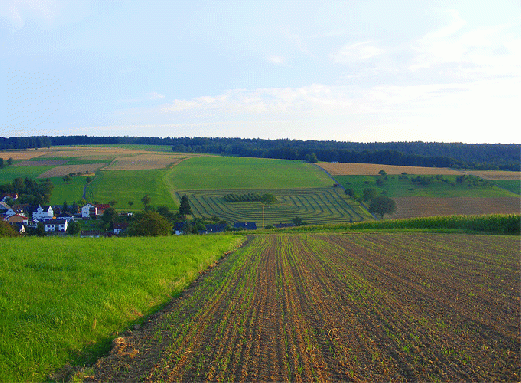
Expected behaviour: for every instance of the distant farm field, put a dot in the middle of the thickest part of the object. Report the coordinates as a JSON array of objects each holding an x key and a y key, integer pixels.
[
  {"x": 123, "y": 186},
  {"x": 224, "y": 173},
  {"x": 409, "y": 207},
  {"x": 354, "y": 169},
  {"x": 357, "y": 307},
  {"x": 404, "y": 186},
  {"x": 312, "y": 205}
]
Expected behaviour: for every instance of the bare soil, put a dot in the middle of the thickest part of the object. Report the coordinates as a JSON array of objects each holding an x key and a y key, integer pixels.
[{"x": 357, "y": 307}]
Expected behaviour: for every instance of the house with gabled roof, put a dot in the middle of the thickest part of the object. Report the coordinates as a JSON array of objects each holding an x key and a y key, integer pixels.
[
  {"x": 56, "y": 225},
  {"x": 43, "y": 213}
]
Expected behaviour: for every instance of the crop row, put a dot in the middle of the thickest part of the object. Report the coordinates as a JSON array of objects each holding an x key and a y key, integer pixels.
[
  {"x": 314, "y": 206},
  {"x": 369, "y": 307}
]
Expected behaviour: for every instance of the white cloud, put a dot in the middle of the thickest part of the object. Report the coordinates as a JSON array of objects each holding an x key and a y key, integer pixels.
[
  {"x": 278, "y": 60},
  {"x": 459, "y": 52},
  {"x": 155, "y": 96},
  {"x": 356, "y": 52}
]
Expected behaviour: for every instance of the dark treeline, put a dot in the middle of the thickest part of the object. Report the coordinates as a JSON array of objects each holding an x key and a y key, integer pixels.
[{"x": 457, "y": 155}]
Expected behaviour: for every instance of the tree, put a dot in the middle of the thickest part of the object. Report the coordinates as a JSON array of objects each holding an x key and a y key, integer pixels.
[
  {"x": 149, "y": 223},
  {"x": 67, "y": 178},
  {"x": 130, "y": 203},
  {"x": 109, "y": 216},
  {"x": 382, "y": 205},
  {"x": 184, "y": 207},
  {"x": 73, "y": 228},
  {"x": 369, "y": 194},
  {"x": 268, "y": 198},
  {"x": 146, "y": 201}
]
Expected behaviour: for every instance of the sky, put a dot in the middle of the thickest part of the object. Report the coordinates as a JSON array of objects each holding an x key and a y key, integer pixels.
[{"x": 362, "y": 71}]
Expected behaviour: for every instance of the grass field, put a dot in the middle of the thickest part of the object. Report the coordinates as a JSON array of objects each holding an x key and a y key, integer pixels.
[
  {"x": 314, "y": 206},
  {"x": 9, "y": 173},
  {"x": 224, "y": 173},
  {"x": 64, "y": 299},
  {"x": 447, "y": 187},
  {"x": 124, "y": 186},
  {"x": 356, "y": 307},
  {"x": 71, "y": 191}
]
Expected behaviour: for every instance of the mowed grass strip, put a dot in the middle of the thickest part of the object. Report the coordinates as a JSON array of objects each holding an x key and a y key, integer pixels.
[
  {"x": 62, "y": 299},
  {"x": 123, "y": 186},
  {"x": 218, "y": 173}
]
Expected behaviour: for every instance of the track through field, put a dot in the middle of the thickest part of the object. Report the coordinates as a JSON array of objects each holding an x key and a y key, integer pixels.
[{"x": 354, "y": 307}]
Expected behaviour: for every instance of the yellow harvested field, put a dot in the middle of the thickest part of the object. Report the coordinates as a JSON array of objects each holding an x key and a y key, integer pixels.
[
  {"x": 60, "y": 171},
  {"x": 87, "y": 152},
  {"x": 23, "y": 154},
  {"x": 147, "y": 161},
  {"x": 356, "y": 169},
  {"x": 496, "y": 175}
]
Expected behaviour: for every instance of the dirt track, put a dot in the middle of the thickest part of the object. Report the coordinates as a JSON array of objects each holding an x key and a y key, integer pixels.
[{"x": 369, "y": 307}]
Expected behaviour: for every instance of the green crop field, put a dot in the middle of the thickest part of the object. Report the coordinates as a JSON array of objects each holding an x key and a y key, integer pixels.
[
  {"x": 63, "y": 299},
  {"x": 218, "y": 173},
  {"x": 446, "y": 186},
  {"x": 130, "y": 185},
  {"x": 313, "y": 206}
]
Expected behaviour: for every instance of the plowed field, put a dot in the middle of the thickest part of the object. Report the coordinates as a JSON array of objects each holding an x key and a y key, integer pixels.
[{"x": 357, "y": 307}]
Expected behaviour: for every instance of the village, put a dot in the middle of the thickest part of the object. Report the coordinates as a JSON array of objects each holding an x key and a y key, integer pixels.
[{"x": 88, "y": 221}]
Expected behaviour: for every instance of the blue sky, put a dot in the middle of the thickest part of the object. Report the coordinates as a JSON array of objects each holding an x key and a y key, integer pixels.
[{"x": 447, "y": 71}]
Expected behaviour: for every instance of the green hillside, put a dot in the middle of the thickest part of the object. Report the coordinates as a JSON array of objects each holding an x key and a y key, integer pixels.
[{"x": 219, "y": 173}]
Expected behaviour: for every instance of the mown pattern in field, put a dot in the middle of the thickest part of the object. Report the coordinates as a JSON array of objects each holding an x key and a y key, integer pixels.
[
  {"x": 360, "y": 307},
  {"x": 313, "y": 206}
]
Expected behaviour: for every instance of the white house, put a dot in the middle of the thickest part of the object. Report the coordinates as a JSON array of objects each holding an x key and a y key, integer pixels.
[
  {"x": 88, "y": 210},
  {"x": 42, "y": 214},
  {"x": 56, "y": 225}
]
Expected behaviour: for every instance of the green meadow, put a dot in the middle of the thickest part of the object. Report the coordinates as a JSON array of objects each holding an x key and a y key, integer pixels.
[
  {"x": 67, "y": 191},
  {"x": 218, "y": 173},
  {"x": 123, "y": 186},
  {"x": 399, "y": 186},
  {"x": 64, "y": 299},
  {"x": 9, "y": 173}
]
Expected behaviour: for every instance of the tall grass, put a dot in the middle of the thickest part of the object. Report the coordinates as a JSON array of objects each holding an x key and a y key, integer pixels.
[{"x": 63, "y": 299}]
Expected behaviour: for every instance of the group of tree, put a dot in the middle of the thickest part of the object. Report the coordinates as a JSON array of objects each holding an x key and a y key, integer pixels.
[
  {"x": 3, "y": 163},
  {"x": 470, "y": 156},
  {"x": 266, "y": 198},
  {"x": 29, "y": 191}
]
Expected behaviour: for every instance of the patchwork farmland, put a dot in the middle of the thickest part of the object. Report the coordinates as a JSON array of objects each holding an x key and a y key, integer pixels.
[
  {"x": 358, "y": 307},
  {"x": 313, "y": 206}
]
